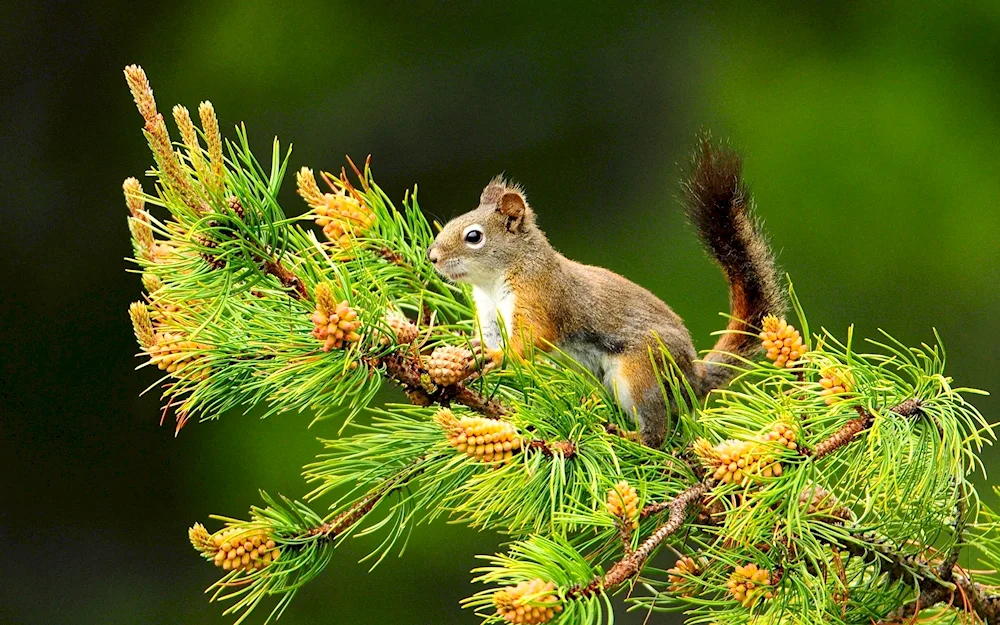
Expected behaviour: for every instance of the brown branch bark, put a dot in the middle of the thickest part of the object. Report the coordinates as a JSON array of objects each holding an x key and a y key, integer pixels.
[
  {"x": 347, "y": 518},
  {"x": 946, "y": 568},
  {"x": 270, "y": 266},
  {"x": 850, "y": 430},
  {"x": 363, "y": 506},
  {"x": 842, "y": 436},
  {"x": 630, "y": 565},
  {"x": 286, "y": 277},
  {"x": 406, "y": 370},
  {"x": 984, "y": 600},
  {"x": 551, "y": 448}
]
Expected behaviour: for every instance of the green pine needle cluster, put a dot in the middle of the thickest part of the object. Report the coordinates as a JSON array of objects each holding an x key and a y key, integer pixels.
[{"x": 856, "y": 511}]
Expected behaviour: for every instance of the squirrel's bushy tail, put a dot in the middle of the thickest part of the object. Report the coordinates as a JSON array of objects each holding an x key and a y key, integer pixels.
[{"x": 718, "y": 204}]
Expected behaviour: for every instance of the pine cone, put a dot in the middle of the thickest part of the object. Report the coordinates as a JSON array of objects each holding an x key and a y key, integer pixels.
[
  {"x": 710, "y": 511},
  {"x": 418, "y": 397},
  {"x": 749, "y": 584},
  {"x": 342, "y": 217},
  {"x": 704, "y": 450},
  {"x": 236, "y": 206},
  {"x": 340, "y": 214},
  {"x": 816, "y": 500},
  {"x": 142, "y": 324},
  {"x": 402, "y": 328},
  {"x": 513, "y": 602},
  {"x": 211, "y": 259},
  {"x": 334, "y": 324},
  {"x": 623, "y": 502},
  {"x": 735, "y": 461},
  {"x": 173, "y": 354},
  {"x": 201, "y": 539},
  {"x": 449, "y": 364},
  {"x": 306, "y": 182},
  {"x": 239, "y": 549},
  {"x": 163, "y": 310},
  {"x": 781, "y": 434},
  {"x": 680, "y": 576},
  {"x": 165, "y": 252},
  {"x": 835, "y": 384},
  {"x": 782, "y": 341},
  {"x": 488, "y": 440},
  {"x": 448, "y": 421},
  {"x": 138, "y": 225},
  {"x": 152, "y": 282}
]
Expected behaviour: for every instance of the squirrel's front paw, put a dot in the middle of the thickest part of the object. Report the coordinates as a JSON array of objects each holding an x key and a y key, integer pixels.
[{"x": 484, "y": 357}]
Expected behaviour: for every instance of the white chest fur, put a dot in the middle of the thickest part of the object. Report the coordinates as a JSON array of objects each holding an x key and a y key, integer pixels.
[{"x": 494, "y": 305}]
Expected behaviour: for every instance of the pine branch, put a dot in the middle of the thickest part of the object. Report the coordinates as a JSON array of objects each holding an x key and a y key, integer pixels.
[
  {"x": 982, "y": 600},
  {"x": 363, "y": 506},
  {"x": 850, "y": 430},
  {"x": 244, "y": 306},
  {"x": 287, "y": 279},
  {"x": 566, "y": 449},
  {"x": 946, "y": 568},
  {"x": 408, "y": 371},
  {"x": 632, "y": 563},
  {"x": 932, "y": 585},
  {"x": 941, "y": 583}
]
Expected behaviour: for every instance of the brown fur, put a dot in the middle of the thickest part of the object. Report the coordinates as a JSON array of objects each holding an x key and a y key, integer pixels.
[
  {"x": 719, "y": 205},
  {"x": 608, "y": 324},
  {"x": 531, "y": 318}
]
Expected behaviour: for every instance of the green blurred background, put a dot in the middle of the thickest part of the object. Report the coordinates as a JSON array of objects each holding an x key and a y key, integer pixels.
[{"x": 871, "y": 135}]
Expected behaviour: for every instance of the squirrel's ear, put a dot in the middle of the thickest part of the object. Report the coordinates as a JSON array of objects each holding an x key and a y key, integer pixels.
[{"x": 512, "y": 206}]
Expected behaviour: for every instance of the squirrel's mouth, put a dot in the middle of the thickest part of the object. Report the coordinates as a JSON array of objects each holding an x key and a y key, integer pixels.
[{"x": 452, "y": 270}]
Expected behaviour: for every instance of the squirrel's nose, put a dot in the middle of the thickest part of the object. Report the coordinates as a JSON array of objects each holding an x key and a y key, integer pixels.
[{"x": 432, "y": 254}]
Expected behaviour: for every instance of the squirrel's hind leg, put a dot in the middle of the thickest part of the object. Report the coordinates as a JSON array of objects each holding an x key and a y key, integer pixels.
[
  {"x": 652, "y": 416},
  {"x": 632, "y": 379}
]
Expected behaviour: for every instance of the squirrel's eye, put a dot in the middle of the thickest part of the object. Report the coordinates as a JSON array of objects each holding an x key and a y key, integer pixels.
[{"x": 474, "y": 237}]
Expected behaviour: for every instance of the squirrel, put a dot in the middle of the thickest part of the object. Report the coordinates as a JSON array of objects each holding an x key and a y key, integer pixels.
[{"x": 610, "y": 325}]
